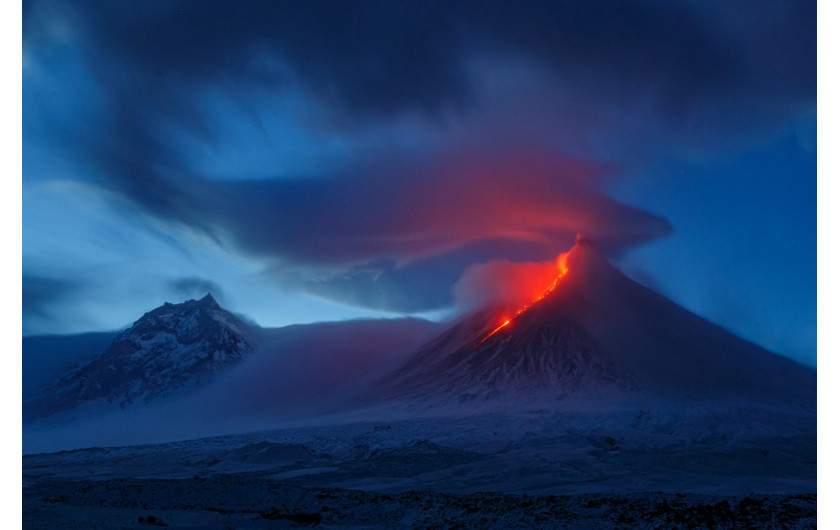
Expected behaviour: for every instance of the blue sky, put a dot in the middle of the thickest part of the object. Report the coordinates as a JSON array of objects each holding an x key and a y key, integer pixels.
[{"x": 338, "y": 160}]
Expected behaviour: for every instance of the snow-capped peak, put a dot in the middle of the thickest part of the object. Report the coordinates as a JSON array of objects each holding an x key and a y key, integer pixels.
[{"x": 169, "y": 349}]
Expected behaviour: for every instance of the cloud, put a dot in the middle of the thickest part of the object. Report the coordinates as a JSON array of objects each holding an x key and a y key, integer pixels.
[
  {"x": 423, "y": 285},
  {"x": 513, "y": 284},
  {"x": 194, "y": 287},
  {"x": 421, "y": 208},
  {"x": 398, "y": 237},
  {"x": 40, "y": 293},
  {"x": 383, "y": 58},
  {"x": 487, "y": 163},
  {"x": 300, "y": 371},
  {"x": 43, "y": 297}
]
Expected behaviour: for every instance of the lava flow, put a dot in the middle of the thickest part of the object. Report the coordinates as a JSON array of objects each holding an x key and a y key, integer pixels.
[{"x": 561, "y": 265}]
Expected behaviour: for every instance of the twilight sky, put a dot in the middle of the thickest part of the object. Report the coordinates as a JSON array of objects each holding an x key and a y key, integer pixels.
[{"x": 325, "y": 160}]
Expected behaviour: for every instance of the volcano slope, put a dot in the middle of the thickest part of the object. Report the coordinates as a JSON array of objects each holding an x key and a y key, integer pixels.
[{"x": 597, "y": 335}]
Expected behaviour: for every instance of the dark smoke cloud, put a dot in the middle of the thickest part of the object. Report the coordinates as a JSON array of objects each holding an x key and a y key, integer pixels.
[
  {"x": 398, "y": 238},
  {"x": 381, "y": 232},
  {"x": 416, "y": 209},
  {"x": 382, "y": 57}
]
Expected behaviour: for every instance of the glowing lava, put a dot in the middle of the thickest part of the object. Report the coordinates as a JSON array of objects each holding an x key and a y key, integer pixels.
[{"x": 561, "y": 266}]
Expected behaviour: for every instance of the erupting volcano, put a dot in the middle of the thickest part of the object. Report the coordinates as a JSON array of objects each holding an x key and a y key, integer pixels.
[
  {"x": 595, "y": 331},
  {"x": 561, "y": 266}
]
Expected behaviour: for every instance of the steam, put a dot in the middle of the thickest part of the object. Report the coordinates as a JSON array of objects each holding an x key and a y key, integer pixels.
[
  {"x": 299, "y": 374},
  {"x": 510, "y": 284}
]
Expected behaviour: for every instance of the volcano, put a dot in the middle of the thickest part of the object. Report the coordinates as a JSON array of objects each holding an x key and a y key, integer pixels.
[{"x": 595, "y": 332}]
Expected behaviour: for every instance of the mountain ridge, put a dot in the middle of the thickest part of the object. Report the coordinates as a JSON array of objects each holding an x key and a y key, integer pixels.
[{"x": 168, "y": 350}]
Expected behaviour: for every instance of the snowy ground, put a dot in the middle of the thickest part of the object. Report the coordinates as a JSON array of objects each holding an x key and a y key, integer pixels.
[
  {"x": 717, "y": 451},
  {"x": 438, "y": 471}
]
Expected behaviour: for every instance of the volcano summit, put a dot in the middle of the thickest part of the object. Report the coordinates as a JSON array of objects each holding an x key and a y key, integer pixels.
[{"x": 595, "y": 332}]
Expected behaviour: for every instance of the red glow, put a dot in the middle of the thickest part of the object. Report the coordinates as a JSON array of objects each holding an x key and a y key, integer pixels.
[
  {"x": 505, "y": 323},
  {"x": 563, "y": 268}
]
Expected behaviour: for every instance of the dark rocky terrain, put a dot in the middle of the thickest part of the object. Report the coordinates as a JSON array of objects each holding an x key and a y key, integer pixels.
[{"x": 235, "y": 501}]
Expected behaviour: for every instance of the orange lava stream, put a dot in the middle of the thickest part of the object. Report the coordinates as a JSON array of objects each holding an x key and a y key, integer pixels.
[{"x": 546, "y": 292}]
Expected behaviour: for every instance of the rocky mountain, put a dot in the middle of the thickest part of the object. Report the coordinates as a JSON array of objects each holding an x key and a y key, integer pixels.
[
  {"x": 595, "y": 331},
  {"x": 171, "y": 349}
]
